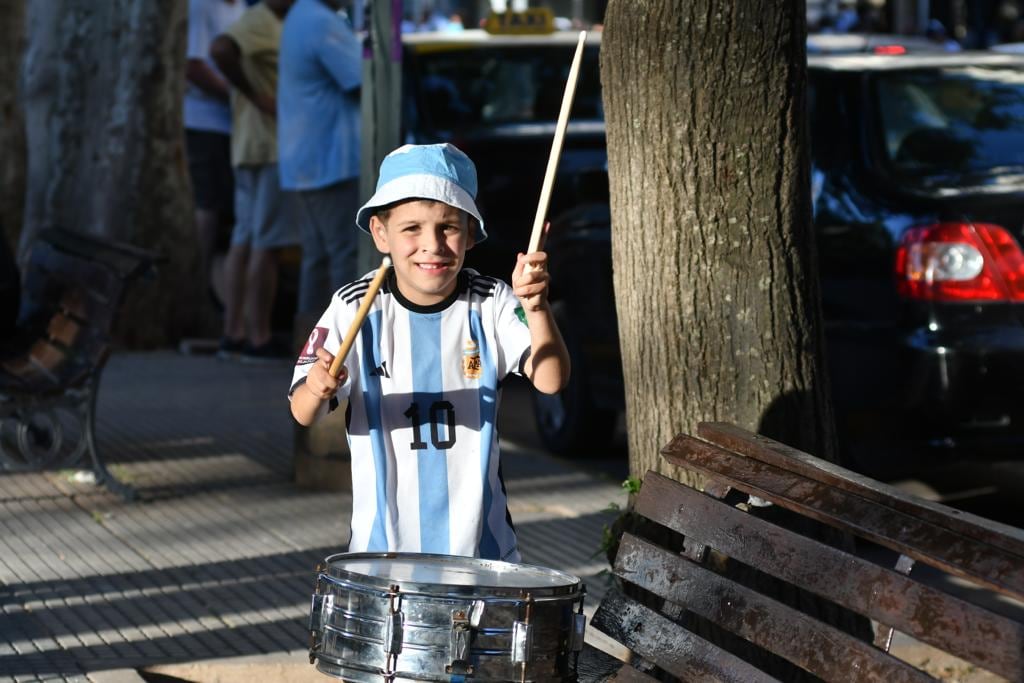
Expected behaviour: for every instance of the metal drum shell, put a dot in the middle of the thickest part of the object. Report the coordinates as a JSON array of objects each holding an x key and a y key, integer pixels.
[{"x": 355, "y": 607}]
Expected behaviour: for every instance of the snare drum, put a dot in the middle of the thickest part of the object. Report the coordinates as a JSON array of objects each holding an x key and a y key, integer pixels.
[{"x": 420, "y": 617}]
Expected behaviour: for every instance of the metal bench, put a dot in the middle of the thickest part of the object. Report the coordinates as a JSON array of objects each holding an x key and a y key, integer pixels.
[
  {"x": 684, "y": 556},
  {"x": 50, "y": 367}
]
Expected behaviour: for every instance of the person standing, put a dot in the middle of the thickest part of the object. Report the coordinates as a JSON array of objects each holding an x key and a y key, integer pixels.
[
  {"x": 247, "y": 55},
  {"x": 318, "y": 142},
  {"x": 208, "y": 128}
]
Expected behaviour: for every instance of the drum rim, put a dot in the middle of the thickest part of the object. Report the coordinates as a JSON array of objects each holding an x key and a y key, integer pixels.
[{"x": 573, "y": 584}]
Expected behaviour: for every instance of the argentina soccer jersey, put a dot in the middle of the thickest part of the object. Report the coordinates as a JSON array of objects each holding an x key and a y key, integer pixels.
[{"x": 414, "y": 424}]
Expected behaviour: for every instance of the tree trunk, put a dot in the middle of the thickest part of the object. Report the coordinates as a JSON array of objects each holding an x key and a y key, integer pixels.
[
  {"x": 12, "y": 120},
  {"x": 104, "y": 83},
  {"x": 713, "y": 249}
]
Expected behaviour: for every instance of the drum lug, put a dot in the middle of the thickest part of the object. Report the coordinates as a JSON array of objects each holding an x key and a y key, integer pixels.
[
  {"x": 521, "y": 642},
  {"x": 321, "y": 604},
  {"x": 579, "y": 631},
  {"x": 393, "y": 627},
  {"x": 463, "y": 627},
  {"x": 461, "y": 634}
]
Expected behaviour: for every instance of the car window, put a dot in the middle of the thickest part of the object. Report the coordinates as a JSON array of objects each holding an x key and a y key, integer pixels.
[
  {"x": 467, "y": 88},
  {"x": 822, "y": 118},
  {"x": 966, "y": 119}
]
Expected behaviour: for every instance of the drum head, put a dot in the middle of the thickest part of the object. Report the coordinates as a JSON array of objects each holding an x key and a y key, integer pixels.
[{"x": 414, "y": 572}]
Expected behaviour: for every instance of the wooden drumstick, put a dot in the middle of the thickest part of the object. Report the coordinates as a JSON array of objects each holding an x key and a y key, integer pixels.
[
  {"x": 556, "y": 146},
  {"x": 357, "y": 322}
]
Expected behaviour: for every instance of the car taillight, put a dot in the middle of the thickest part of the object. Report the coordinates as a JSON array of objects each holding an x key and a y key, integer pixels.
[
  {"x": 960, "y": 262},
  {"x": 890, "y": 50}
]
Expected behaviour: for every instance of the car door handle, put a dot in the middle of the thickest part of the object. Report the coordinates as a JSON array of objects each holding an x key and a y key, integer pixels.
[{"x": 833, "y": 230}]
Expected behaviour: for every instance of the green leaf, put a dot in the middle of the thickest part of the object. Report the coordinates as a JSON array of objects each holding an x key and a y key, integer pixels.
[{"x": 632, "y": 485}]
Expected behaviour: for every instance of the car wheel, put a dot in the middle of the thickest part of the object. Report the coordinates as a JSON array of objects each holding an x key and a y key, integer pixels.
[{"x": 568, "y": 422}]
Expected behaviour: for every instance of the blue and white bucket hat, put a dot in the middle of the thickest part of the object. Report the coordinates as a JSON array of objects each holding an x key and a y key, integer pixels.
[{"x": 441, "y": 172}]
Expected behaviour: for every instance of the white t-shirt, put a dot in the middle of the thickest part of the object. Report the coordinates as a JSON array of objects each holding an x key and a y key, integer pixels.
[
  {"x": 424, "y": 387},
  {"x": 207, "y": 19}
]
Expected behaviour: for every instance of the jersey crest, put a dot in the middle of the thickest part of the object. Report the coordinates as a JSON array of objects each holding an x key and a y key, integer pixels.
[{"x": 471, "y": 365}]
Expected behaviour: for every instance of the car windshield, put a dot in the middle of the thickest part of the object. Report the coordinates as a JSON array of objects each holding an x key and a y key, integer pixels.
[
  {"x": 469, "y": 88},
  {"x": 952, "y": 121}
]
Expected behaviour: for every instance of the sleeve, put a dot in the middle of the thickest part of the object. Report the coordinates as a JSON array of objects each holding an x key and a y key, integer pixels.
[
  {"x": 252, "y": 35},
  {"x": 200, "y": 30},
  {"x": 512, "y": 335},
  {"x": 327, "y": 334},
  {"x": 340, "y": 53},
  {"x": 243, "y": 33}
]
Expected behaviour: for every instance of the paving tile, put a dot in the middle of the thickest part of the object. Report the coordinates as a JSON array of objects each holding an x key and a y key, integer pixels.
[
  {"x": 121, "y": 615},
  {"x": 236, "y": 584},
  {"x": 115, "y": 676},
  {"x": 217, "y": 560},
  {"x": 17, "y": 486}
]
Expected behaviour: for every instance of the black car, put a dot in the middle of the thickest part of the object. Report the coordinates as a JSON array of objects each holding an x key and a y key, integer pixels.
[
  {"x": 918, "y": 185},
  {"x": 918, "y": 191}
]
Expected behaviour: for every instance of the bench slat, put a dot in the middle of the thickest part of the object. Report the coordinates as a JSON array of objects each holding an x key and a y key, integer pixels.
[
  {"x": 817, "y": 647},
  {"x": 965, "y": 630},
  {"x": 772, "y": 452},
  {"x": 936, "y": 546},
  {"x": 596, "y": 666},
  {"x": 669, "y": 645},
  {"x": 63, "y": 329}
]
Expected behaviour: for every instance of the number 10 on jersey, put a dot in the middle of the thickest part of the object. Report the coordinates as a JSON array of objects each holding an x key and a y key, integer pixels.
[{"x": 439, "y": 413}]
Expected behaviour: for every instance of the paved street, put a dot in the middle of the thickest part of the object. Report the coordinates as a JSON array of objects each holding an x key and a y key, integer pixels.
[
  {"x": 215, "y": 562},
  {"x": 208, "y": 577}
]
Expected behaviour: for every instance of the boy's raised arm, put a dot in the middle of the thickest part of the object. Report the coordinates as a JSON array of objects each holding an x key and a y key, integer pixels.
[{"x": 548, "y": 365}]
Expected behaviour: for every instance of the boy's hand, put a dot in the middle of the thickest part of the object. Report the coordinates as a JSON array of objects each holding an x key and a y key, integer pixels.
[
  {"x": 530, "y": 280},
  {"x": 319, "y": 381}
]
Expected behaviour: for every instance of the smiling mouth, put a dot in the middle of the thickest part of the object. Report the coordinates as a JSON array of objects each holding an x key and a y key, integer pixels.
[{"x": 432, "y": 266}]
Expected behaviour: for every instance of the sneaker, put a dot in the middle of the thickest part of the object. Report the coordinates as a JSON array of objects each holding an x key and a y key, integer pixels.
[
  {"x": 230, "y": 349},
  {"x": 270, "y": 352}
]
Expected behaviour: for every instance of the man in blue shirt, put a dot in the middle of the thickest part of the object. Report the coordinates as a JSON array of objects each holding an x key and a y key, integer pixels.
[{"x": 320, "y": 74}]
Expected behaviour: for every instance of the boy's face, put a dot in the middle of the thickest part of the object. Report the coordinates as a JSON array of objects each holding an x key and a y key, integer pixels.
[{"x": 427, "y": 242}]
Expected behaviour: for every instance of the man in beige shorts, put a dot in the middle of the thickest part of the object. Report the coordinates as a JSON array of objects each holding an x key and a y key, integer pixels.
[{"x": 247, "y": 55}]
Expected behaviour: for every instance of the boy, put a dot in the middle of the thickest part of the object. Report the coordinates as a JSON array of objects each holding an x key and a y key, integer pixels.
[{"x": 423, "y": 378}]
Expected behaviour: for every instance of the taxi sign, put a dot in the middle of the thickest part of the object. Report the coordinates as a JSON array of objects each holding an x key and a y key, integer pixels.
[{"x": 532, "y": 21}]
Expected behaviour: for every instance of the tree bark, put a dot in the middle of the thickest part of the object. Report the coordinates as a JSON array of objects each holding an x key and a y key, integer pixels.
[
  {"x": 104, "y": 83},
  {"x": 12, "y": 120},
  {"x": 713, "y": 249}
]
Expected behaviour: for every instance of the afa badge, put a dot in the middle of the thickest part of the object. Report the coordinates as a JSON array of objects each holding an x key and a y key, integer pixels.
[{"x": 471, "y": 366}]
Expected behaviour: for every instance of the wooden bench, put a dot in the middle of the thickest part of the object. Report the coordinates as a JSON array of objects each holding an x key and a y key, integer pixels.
[
  {"x": 50, "y": 368},
  {"x": 680, "y": 580}
]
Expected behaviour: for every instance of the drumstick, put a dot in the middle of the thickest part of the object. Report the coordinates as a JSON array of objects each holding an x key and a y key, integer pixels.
[
  {"x": 556, "y": 146},
  {"x": 357, "y": 322}
]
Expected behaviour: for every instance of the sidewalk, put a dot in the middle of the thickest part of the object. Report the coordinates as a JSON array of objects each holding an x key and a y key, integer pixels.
[{"x": 208, "y": 577}]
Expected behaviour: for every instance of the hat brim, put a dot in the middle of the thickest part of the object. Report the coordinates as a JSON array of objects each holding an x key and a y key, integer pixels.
[{"x": 421, "y": 187}]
